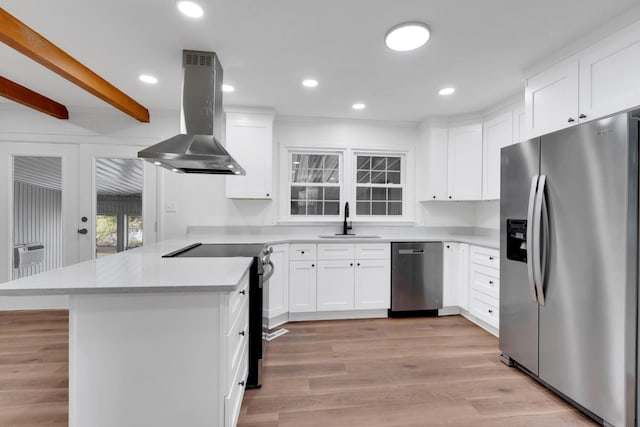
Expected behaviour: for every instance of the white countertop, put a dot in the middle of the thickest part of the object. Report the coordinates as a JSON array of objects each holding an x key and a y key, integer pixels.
[
  {"x": 138, "y": 270},
  {"x": 144, "y": 270}
]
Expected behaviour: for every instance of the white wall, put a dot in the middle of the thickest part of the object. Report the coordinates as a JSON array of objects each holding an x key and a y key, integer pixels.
[{"x": 487, "y": 214}]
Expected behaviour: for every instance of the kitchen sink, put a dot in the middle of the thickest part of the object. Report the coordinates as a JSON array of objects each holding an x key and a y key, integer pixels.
[{"x": 348, "y": 236}]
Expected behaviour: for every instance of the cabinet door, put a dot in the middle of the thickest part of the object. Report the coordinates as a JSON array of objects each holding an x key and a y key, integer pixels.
[
  {"x": 372, "y": 284},
  {"x": 302, "y": 286},
  {"x": 497, "y": 133},
  {"x": 519, "y": 132},
  {"x": 434, "y": 160},
  {"x": 451, "y": 275},
  {"x": 335, "y": 285},
  {"x": 551, "y": 99},
  {"x": 277, "y": 290},
  {"x": 609, "y": 75},
  {"x": 249, "y": 139},
  {"x": 463, "y": 271},
  {"x": 465, "y": 163}
]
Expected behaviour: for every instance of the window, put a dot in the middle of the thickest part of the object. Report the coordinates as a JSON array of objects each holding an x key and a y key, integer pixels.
[
  {"x": 314, "y": 184},
  {"x": 379, "y": 185}
]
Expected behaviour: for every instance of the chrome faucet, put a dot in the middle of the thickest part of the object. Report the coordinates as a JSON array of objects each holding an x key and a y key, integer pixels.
[{"x": 345, "y": 225}]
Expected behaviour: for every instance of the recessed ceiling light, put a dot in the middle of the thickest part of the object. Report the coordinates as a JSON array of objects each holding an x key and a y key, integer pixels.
[
  {"x": 407, "y": 36},
  {"x": 228, "y": 88},
  {"x": 157, "y": 163},
  {"x": 230, "y": 166},
  {"x": 149, "y": 79},
  {"x": 358, "y": 106},
  {"x": 174, "y": 170},
  {"x": 237, "y": 172},
  {"x": 309, "y": 83},
  {"x": 190, "y": 9},
  {"x": 446, "y": 91}
]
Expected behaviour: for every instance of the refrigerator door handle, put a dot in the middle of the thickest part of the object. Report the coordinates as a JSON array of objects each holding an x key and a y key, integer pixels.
[
  {"x": 530, "y": 234},
  {"x": 539, "y": 263}
]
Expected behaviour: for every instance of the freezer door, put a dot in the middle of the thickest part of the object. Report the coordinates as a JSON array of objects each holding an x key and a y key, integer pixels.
[
  {"x": 518, "y": 310},
  {"x": 416, "y": 276},
  {"x": 589, "y": 285}
]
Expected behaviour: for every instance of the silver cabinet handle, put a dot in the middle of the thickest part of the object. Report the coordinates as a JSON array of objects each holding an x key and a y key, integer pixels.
[
  {"x": 530, "y": 232},
  {"x": 537, "y": 246}
]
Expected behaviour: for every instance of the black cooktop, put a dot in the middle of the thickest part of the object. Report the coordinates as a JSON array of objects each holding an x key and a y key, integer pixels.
[{"x": 206, "y": 250}]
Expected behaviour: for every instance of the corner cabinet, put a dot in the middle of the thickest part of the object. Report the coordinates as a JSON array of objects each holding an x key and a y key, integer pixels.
[
  {"x": 249, "y": 140},
  {"x": 497, "y": 133},
  {"x": 464, "y": 163}
]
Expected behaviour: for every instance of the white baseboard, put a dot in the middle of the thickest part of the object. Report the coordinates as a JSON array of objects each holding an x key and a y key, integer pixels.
[
  {"x": 484, "y": 325},
  {"x": 39, "y": 302},
  {"x": 449, "y": 311},
  {"x": 338, "y": 315},
  {"x": 279, "y": 320}
]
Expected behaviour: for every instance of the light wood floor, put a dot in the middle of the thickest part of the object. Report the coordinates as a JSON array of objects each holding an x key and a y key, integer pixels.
[
  {"x": 396, "y": 372},
  {"x": 387, "y": 372}
]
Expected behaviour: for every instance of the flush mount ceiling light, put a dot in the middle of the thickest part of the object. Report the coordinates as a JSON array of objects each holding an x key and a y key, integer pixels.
[
  {"x": 228, "y": 88},
  {"x": 358, "y": 106},
  {"x": 407, "y": 36},
  {"x": 446, "y": 91},
  {"x": 146, "y": 78},
  {"x": 190, "y": 9},
  {"x": 309, "y": 83}
]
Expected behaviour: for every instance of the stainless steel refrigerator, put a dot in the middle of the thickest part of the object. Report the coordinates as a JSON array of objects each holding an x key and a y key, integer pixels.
[{"x": 569, "y": 262}]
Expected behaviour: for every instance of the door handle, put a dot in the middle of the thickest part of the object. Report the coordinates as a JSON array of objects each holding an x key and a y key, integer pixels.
[
  {"x": 538, "y": 266},
  {"x": 530, "y": 232},
  {"x": 83, "y": 231}
]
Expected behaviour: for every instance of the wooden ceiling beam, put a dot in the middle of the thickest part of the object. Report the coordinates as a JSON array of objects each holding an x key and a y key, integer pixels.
[
  {"x": 25, "y": 40},
  {"x": 31, "y": 99}
]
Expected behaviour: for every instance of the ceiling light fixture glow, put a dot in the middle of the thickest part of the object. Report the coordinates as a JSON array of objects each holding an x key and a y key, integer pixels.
[
  {"x": 190, "y": 9},
  {"x": 174, "y": 170},
  {"x": 407, "y": 36},
  {"x": 358, "y": 106},
  {"x": 228, "y": 88},
  {"x": 237, "y": 172},
  {"x": 147, "y": 78},
  {"x": 446, "y": 91},
  {"x": 157, "y": 163},
  {"x": 309, "y": 83},
  {"x": 230, "y": 166}
]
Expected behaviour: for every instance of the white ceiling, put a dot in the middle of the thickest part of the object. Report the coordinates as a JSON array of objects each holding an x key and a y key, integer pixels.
[{"x": 267, "y": 47}]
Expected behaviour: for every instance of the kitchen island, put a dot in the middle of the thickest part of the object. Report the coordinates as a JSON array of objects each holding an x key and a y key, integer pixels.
[{"x": 152, "y": 341}]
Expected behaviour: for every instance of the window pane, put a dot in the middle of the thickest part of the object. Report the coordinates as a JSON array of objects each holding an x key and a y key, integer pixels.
[
  {"x": 378, "y": 208},
  {"x": 314, "y": 208},
  {"x": 331, "y": 162},
  {"x": 331, "y": 176},
  {"x": 134, "y": 229},
  {"x": 363, "y": 208},
  {"x": 364, "y": 177},
  {"x": 379, "y": 163},
  {"x": 298, "y": 193},
  {"x": 379, "y": 193},
  {"x": 364, "y": 162},
  {"x": 363, "y": 193},
  {"x": 332, "y": 193},
  {"x": 106, "y": 235},
  {"x": 314, "y": 193},
  {"x": 393, "y": 177},
  {"x": 393, "y": 164},
  {"x": 331, "y": 208},
  {"x": 395, "y": 208},
  {"x": 378, "y": 178},
  {"x": 395, "y": 193},
  {"x": 316, "y": 175},
  {"x": 315, "y": 161},
  {"x": 298, "y": 208}
]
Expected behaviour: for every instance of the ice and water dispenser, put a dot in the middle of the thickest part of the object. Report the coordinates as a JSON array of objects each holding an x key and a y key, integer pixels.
[{"x": 517, "y": 240}]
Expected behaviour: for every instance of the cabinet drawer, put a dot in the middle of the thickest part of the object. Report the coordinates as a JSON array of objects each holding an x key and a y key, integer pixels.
[
  {"x": 237, "y": 299},
  {"x": 235, "y": 392},
  {"x": 485, "y": 280},
  {"x": 238, "y": 338},
  {"x": 485, "y": 308},
  {"x": 336, "y": 251},
  {"x": 485, "y": 256},
  {"x": 301, "y": 252},
  {"x": 373, "y": 251}
]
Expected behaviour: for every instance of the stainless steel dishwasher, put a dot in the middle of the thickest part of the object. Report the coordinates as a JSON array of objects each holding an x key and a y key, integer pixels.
[{"x": 416, "y": 278}]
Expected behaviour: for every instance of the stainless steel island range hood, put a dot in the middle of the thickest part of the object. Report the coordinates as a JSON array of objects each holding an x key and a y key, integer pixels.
[{"x": 198, "y": 148}]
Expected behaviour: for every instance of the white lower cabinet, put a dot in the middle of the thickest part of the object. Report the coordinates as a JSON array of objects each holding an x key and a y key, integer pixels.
[
  {"x": 484, "y": 286},
  {"x": 302, "y": 286},
  {"x": 335, "y": 285},
  {"x": 372, "y": 288},
  {"x": 455, "y": 276}
]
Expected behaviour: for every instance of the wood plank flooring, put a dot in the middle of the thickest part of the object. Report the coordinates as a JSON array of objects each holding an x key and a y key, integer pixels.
[
  {"x": 384, "y": 372},
  {"x": 396, "y": 372}
]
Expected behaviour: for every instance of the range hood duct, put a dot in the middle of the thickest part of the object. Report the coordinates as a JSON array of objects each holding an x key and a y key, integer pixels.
[{"x": 197, "y": 149}]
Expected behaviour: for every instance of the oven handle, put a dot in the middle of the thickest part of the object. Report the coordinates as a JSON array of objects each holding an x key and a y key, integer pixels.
[{"x": 268, "y": 275}]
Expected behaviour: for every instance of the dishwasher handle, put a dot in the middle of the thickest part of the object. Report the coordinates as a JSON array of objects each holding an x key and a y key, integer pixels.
[{"x": 411, "y": 251}]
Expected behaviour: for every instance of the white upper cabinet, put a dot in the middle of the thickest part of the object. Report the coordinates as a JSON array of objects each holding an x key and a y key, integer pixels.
[
  {"x": 464, "y": 163},
  {"x": 434, "y": 164},
  {"x": 249, "y": 140},
  {"x": 497, "y": 133},
  {"x": 609, "y": 75},
  {"x": 551, "y": 99},
  {"x": 519, "y": 132}
]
